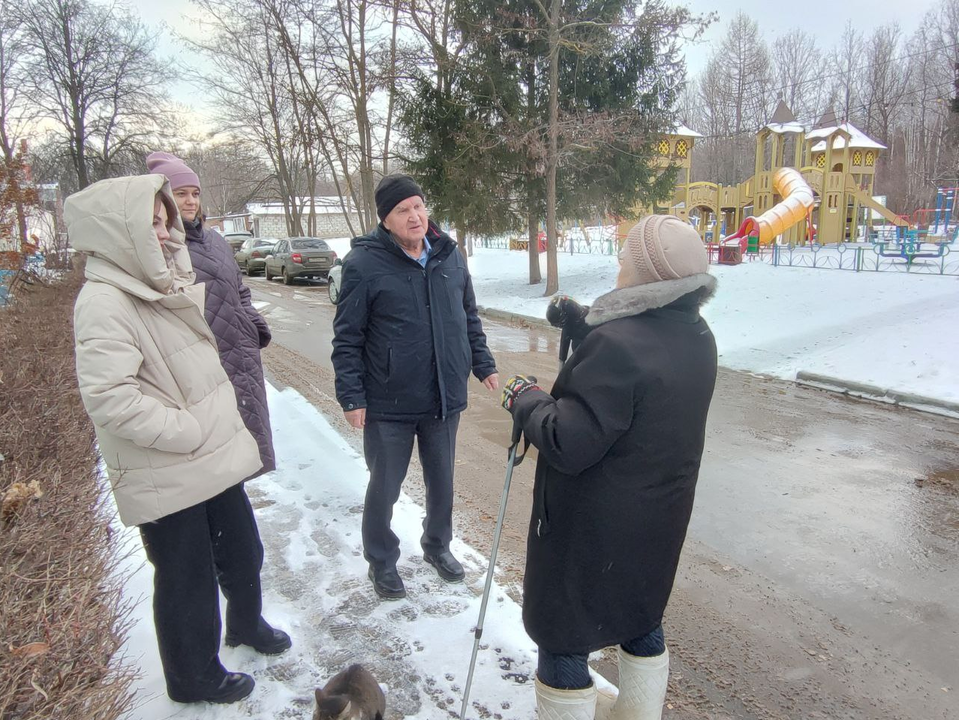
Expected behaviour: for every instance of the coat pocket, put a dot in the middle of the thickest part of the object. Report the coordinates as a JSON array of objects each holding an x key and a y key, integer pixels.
[
  {"x": 454, "y": 283},
  {"x": 540, "y": 507}
]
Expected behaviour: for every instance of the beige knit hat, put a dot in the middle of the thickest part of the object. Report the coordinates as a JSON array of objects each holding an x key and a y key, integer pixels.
[{"x": 658, "y": 248}]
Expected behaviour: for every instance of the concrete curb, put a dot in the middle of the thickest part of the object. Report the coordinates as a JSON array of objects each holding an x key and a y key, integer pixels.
[
  {"x": 879, "y": 394},
  {"x": 814, "y": 380},
  {"x": 506, "y": 316}
]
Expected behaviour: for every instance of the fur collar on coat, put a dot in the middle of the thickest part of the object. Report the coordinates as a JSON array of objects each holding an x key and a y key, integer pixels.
[{"x": 625, "y": 302}]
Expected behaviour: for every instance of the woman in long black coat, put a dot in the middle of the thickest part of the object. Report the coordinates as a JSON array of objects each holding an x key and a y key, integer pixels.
[{"x": 620, "y": 439}]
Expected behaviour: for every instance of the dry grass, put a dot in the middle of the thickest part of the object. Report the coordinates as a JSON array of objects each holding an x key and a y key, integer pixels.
[{"x": 62, "y": 614}]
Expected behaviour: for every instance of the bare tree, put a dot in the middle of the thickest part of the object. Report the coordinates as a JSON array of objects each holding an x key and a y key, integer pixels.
[
  {"x": 735, "y": 100},
  {"x": 349, "y": 48},
  {"x": 885, "y": 81},
  {"x": 253, "y": 92},
  {"x": 846, "y": 63},
  {"x": 232, "y": 173},
  {"x": 925, "y": 128},
  {"x": 340, "y": 58},
  {"x": 391, "y": 72},
  {"x": 94, "y": 75},
  {"x": 798, "y": 71},
  {"x": 710, "y": 115}
]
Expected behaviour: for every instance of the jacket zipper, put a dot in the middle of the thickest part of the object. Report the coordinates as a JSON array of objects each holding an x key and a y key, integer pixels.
[{"x": 436, "y": 350}]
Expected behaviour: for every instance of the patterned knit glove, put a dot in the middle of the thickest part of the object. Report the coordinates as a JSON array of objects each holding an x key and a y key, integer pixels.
[{"x": 515, "y": 387}]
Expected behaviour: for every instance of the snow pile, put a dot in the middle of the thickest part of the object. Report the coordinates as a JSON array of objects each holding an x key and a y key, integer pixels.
[
  {"x": 892, "y": 330},
  {"x": 315, "y": 587}
]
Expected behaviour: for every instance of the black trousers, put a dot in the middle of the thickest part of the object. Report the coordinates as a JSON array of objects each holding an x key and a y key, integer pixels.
[
  {"x": 570, "y": 672},
  {"x": 214, "y": 543},
  {"x": 387, "y": 447}
]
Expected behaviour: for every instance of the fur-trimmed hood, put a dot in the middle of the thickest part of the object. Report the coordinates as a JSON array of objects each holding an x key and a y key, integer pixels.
[{"x": 625, "y": 302}]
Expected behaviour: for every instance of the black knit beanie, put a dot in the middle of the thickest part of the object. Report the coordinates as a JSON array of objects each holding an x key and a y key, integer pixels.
[{"x": 394, "y": 189}]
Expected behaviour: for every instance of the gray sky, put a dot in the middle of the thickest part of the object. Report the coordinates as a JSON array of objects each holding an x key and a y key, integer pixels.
[{"x": 826, "y": 18}]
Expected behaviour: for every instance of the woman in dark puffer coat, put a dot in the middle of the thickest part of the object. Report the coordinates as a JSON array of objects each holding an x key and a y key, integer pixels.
[{"x": 240, "y": 332}]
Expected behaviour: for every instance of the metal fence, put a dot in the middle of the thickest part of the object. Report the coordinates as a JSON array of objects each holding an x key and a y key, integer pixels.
[
  {"x": 575, "y": 241},
  {"x": 499, "y": 242},
  {"x": 919, "y": 258},
  {"x": 604, "y": 243}
]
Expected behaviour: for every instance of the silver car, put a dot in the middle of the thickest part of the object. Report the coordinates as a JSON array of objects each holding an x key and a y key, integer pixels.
[
  {"x": 299, "y": 257},
  {"x": 251, "y": 255},
  {"x": 235, "y": 239}
]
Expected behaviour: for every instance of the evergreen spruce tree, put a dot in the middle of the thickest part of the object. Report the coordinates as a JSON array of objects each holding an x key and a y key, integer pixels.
[{"x": 484, "y": 142}]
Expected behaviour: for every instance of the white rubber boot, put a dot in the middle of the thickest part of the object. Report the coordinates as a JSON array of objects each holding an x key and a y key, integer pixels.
[
  {"x": 643, "y": 689},
  {"x": 555, "y": 704}
]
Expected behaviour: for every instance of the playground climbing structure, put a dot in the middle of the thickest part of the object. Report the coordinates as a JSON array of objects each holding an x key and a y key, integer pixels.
[{"x": 836, "y": 161}]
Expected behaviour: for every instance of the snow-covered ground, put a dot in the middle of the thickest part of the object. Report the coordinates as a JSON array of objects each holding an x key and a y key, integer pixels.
[
  {"x": 316, "y": 588},
  {"x": 889, "y": 329}
]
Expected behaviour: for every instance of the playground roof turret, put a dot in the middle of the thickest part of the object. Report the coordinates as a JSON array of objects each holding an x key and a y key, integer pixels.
[
  {"x": 783, "y": 121},
  {"x": 858, "y": 139},
  {"x": 828, "y": 119},
  {"x": 683, "y": 131}
]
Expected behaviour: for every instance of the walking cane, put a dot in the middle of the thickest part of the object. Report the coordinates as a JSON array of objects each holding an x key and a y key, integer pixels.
[
  {"x": 564, "y": 345},
  {"x": 512, "y": 461}
]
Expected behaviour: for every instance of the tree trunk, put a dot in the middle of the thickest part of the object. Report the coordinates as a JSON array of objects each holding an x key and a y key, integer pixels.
[
  {"x": 80, "y": 160},
  {"x": 533, "y": 219},
  {"x": 553, "y": 129},
  {"x": 393, "y": 87},
  {"x": 533, "y": 251},
  {"x": 462, "y": 234}
]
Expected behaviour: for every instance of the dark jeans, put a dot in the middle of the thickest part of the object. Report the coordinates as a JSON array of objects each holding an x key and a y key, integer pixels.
[
  {"x": 569, "y": 672},
  {"x": 213, "y": 543},
  {"x": 387, "y": 447}
]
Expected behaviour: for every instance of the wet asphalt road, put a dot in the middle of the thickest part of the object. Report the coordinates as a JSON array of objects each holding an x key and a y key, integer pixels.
[{"x": 819, "y": 579}]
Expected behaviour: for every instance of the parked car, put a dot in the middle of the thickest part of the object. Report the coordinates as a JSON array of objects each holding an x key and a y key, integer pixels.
[
  {"x": 251, "y": 255},
  {"x": 299, "y": 257},
  {"x": 333, "y": 281},
  {"x": 236, "y": 238}
]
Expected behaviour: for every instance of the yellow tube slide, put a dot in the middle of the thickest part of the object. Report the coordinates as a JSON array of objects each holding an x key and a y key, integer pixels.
[{"x": 797, "y": 202}]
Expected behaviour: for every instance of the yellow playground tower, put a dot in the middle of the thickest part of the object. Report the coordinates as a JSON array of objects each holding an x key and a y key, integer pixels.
[{"x": 806, "y": 184}]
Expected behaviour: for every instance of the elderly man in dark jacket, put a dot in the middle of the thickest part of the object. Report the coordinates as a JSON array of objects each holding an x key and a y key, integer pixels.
[
  {"x": 406, "y": 336},
  {"x": 240, "y": 332},
  {"x": 620, "y": 437}
]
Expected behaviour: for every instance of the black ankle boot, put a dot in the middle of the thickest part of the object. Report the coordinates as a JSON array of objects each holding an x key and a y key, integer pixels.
[
  {"x": 446, "y": 565},
  {"x": 233, "y": 687},
  {"x": 266, "y": 640},
  {"x": 387, "y": 583}
]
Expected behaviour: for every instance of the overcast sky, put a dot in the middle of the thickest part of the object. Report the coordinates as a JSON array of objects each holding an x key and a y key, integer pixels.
[{"x": 826, "y": 18}]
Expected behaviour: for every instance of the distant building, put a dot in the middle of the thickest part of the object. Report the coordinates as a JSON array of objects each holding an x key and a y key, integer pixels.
[
  {"x": 267, "y": 219},
  {"x": 239, "y": 222}
]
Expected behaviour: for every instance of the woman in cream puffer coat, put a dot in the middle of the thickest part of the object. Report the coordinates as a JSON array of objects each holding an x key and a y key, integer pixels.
[{"x": 165, "y": 414}]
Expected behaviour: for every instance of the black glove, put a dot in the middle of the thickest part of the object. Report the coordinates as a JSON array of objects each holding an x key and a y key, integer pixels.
[
  {"x": 515, "y": 387},
  {"x": 565, "y": 312},
  {"x": 570, "y": 316}
]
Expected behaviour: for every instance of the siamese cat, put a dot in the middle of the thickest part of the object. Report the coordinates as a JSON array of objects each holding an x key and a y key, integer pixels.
[{"x": 352, "y": 694}]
